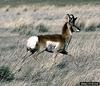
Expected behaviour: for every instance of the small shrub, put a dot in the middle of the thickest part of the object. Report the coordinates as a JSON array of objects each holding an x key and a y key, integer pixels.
[
  {"x": 25, "y": 9},
  {"x": 26, "y": 30},
  {"x": 18, "y": 13},
  {"x": 90, "y": 28},
  {"x": 42, "y": 28},
  {"x": 61, "y": 65},
  {"x": 98, "y": 26},
  {"x": 7, "y": 10},
  {"x": 6, "y": 74},
  {"x": 29, "y": 30}
]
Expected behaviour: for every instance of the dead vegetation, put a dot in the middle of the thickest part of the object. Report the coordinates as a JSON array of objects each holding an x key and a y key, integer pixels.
[
  {"x": 51, "y": 16},
  {"x": 81, "y": 64}
]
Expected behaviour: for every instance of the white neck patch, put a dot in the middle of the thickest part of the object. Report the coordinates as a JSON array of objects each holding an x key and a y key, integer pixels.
[
  {"x": 31, "y": 42},
  {"x": 70, "y": 32}
]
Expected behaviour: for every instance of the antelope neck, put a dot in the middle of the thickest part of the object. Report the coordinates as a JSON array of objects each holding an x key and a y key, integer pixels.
[{"x": 66, "y": 31}]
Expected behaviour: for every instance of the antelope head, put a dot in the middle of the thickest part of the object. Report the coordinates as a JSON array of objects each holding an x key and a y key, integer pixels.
[{"x": 71, "y": 21}]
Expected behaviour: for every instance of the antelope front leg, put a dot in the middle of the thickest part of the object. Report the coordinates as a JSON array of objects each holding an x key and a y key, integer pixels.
[{"x": 64, "y": 51}]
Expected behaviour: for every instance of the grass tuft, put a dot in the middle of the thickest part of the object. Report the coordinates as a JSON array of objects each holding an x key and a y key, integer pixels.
[
  {"x": 29, "y": 30},
  {"x": 41, "y": 28},
  {"x": 6, "y": 74},
  {"x": 26, "y": 30},
  {"x": 90, "y": 28},
  {"x": 61, "y": 65}
]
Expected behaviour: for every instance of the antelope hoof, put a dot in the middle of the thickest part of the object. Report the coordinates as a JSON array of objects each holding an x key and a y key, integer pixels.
[{"x": 64, "y": 52}]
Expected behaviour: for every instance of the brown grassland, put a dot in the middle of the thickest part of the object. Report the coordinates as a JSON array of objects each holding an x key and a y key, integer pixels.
[{"x": 83, "y": 60}]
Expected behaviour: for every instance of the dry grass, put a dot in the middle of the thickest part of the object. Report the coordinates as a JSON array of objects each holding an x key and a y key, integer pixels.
[
  {"x": 88, "y": 16},
  {"x": 81, "y": 64}
]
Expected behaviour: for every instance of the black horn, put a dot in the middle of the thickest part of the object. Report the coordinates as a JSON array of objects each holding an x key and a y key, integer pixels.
[
  {"x": 72, "y": 16},
  {"x": 69, "y": 18}
]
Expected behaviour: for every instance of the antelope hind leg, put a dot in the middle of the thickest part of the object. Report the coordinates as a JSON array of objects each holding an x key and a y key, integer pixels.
[
  {"x": 23, "y": 60},
  {"x": 36, "y": 54}
]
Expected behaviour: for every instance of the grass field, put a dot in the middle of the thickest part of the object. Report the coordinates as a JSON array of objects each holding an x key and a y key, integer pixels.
[
  {"x": 49, "y": 2},
  {"x": 81, "y": 64}
]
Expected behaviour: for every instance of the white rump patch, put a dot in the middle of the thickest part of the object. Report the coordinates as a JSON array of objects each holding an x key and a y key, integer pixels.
[
  {"x": 50, "y": 45},
  {"x": 31, "y": 42}
]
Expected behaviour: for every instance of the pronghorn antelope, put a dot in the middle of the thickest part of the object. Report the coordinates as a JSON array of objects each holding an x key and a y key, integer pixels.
[{"x": 56, "y": 43}]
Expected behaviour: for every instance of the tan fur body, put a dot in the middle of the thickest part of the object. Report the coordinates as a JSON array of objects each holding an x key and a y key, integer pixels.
[{"x": 61, "y": 38}]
